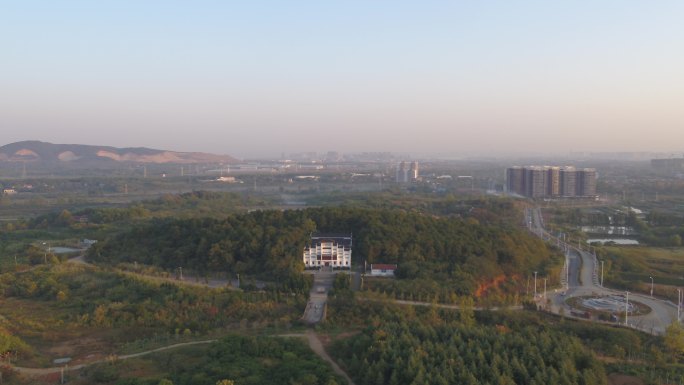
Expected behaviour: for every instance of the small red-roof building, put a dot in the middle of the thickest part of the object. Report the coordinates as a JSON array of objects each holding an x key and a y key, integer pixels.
[{"x": 382, "y": 269}]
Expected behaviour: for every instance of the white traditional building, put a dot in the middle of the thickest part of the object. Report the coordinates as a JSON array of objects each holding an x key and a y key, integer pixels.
[{"x": 332, "y": 250}]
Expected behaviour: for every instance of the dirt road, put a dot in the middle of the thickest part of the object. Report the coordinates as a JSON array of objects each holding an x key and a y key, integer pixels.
[
  {"x": 57, "y": 369},
  {"x": 314, "y": 343}
]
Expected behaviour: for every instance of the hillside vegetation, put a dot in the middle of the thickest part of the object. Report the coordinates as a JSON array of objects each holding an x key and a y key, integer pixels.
[{"x": 269, "y": 244}]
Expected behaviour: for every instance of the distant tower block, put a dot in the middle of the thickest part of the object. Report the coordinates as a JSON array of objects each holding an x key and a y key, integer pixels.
[
  {"x": 402, "y": 173},
  {"x": 407, "y": 173},
  {"x": 413, "y": 172}
]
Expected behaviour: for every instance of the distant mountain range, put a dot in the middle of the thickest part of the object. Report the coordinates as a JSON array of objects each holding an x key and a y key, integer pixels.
[{"x": 49, "y": 153}]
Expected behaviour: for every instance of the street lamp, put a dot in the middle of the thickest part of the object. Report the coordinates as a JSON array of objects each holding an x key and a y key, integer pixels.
[
  {"x": 679, "y": 303},
  {"x": 651, "y": 286},
  {"x": 626, "y": 308}
]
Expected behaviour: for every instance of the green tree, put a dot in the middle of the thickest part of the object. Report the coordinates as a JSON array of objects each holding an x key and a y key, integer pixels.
[
  {"x": 674, "y": 340},
  {"x": 467, "y": 311},
  {"x": 64, "y": 218}
]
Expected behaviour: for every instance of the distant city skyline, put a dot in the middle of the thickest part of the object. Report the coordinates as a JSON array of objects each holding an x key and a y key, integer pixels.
[{"x": 264, "y": 77}]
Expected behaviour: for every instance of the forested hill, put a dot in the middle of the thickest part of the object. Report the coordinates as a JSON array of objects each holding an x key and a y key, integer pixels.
[{"x": 270, "y": 243}]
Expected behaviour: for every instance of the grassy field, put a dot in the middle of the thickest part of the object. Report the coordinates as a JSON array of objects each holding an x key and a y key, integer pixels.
[
  {"x": 632, "y": 267},
  {"x": 41, "y": 325}
]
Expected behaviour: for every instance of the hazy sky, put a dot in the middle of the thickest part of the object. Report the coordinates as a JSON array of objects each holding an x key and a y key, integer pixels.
[{"x": 263, "y": 77}]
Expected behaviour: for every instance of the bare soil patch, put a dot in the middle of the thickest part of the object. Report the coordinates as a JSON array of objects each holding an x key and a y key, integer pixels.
[{"x": 621, "y": 379}]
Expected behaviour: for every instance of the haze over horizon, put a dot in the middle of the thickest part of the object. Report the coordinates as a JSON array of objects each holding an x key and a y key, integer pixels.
[{"x": 265, "y": 77}]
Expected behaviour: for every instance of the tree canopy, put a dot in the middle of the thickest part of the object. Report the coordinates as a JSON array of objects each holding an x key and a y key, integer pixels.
[{"x": 270, "y": 243}]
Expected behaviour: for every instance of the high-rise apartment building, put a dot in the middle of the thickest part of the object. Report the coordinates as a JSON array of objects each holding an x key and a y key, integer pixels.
[
  {"x": 551, "y": 181},
  {"x": 515, "y": 180},
  {"x": 535, "y": 180},
  {"x": 568, "y": 181},
  {"x": 586, "y": 182}
]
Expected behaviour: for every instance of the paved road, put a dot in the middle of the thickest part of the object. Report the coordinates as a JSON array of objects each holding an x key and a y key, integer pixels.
[
  {"x": 583, "y": 280},
  {"x": 662, "y": 314},
  {"x": 575, "y": 278},
  {"x": 453, "y": 307},
  {"x": 315, "y": 308}
]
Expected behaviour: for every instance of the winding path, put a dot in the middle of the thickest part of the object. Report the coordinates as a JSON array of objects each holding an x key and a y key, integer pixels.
[
  {"x": 317, "y": 346},
  {"x": 314, "y": 343},
  {"x": 57, "y": 369}
]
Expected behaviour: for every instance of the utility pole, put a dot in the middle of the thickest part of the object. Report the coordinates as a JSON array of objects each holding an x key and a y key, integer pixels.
[
  {"x": 601, "y": 273},
  {"x": 545, "y": 288},
  {"x": 535, "y": 284},
  {"x": 180, "y": 268}
]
